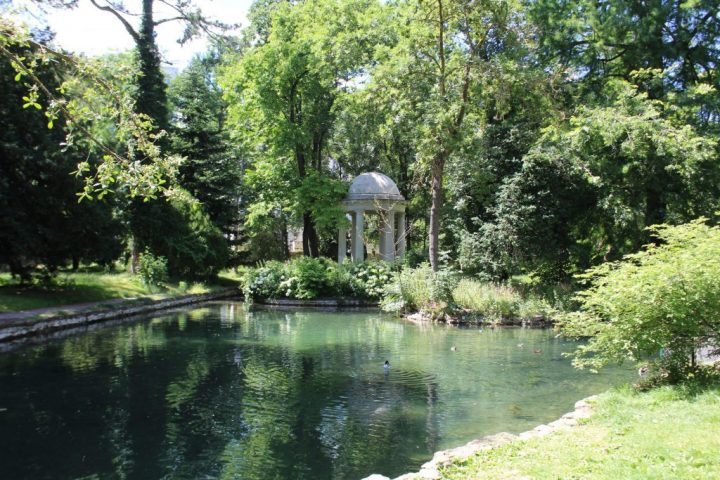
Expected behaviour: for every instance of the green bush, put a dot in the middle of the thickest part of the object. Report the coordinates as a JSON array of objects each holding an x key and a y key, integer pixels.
[
  {"x": 661, "y": 304},
  {"x": 368, "y": 279},
  {"x": 308, "y": 278},
  {"x": 264, "y": 282},
  {"x": 153, "y": 270}
]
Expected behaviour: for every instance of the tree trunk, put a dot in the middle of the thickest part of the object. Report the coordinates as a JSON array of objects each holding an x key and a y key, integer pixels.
[
  {"x": 310, "y": 240},
  {"x": 134, "y": 256},
  {"x": 435, "y": 208}
]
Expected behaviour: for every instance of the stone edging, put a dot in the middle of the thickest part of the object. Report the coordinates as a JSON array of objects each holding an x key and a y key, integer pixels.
[
  {"x": 318, "y": 302},
  {"x": 443, "y": 458},
  {"x": 469, "y": 319},
  {"x": 26, "y": 328}
]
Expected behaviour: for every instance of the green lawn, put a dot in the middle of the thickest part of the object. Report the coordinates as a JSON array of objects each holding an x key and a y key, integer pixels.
[
  {"x": 72, "y": 288},
  {"x": 665, "y": 434}
]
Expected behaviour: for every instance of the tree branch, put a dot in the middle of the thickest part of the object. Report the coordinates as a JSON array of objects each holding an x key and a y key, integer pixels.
[{"x": 125, "y": 23}]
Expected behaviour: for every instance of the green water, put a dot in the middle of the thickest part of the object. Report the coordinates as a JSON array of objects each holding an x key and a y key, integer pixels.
[{"x": 220, "y": 392}]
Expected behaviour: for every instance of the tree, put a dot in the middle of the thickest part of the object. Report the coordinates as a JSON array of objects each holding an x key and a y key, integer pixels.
[
  {"x": 618, "y": 37},
  {"x": 41, "y": 221},
  {"x": 590, "y": 186},
  {"x": 661, "y": 304},
  {"x": 447, "y": 50},
  {"x": 282, "y": 94},
  {"x": 152, "y": 91},
  {"x": 84, "y": 98},
  {"x": 210, "y": 171}
]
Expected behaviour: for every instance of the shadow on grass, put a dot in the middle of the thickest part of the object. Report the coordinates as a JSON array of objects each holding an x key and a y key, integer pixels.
[{"x": 15, "y": 298}]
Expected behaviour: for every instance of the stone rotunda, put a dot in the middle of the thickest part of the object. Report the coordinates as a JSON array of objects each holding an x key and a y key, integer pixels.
[{"x": 374, "y": 193}]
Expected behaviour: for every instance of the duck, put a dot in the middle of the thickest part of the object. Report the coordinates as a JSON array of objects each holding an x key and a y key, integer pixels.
[
  {"x": 453, "y": 348},
  {"x": 386, "y": 365}
]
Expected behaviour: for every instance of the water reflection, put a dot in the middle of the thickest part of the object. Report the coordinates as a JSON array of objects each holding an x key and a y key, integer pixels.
[{"x": 223, "y": 392}]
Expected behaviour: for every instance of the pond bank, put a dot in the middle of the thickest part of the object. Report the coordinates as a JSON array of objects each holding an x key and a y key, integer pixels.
[
  {"x": 444, "y": 458},
  {"x": 470, "y": 319},
  {"x": 321, "y": 303},
  {"x": 27, "y": 324},
  {"x": 668, "y": 432}
]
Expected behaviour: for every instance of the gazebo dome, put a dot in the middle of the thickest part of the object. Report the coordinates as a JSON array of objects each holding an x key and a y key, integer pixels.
[{"x": 373, "y": 185}]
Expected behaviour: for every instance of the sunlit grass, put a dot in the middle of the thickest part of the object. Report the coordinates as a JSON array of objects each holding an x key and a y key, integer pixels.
[
  {"x": 665, "y": 433},
  {"x": 73, "y": 288}
]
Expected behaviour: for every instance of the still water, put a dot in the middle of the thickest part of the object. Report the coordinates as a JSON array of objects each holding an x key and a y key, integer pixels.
[{"x": 224, "y": 392}]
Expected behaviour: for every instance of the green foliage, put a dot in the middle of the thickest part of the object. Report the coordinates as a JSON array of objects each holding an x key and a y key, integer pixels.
[
  {"x": 420, "y": 289},
  {"x": 210, "y": 169},
  {"x": 589, "y": 187},
  {"x": 498, "y": 302},
  {"x": 153, "y": 270},
  {"x": 41, "y": 221},
  {"x": 282, "y": 93},
  {"x": 495, "y": 302},
  {"x": 264, "y": 282},
  {"x": 179, "y": 229},
  {"x": 307, "y": 278},
  {"x": 86, "y": 96},
  {"x": 660, "y": 304},
  {"x": 369, "y": 279}
]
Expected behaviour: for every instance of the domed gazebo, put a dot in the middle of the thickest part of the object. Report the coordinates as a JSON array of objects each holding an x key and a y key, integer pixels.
[{"x": 374, "y": 193}]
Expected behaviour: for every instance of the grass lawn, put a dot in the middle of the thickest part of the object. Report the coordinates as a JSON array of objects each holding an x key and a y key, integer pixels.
[
  {"x": 666, "y": 433},
  {"x": 72, "y": 288}
]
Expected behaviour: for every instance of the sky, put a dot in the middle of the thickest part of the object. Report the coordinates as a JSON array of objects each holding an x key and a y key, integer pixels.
[{"x": 87, "y": 30}]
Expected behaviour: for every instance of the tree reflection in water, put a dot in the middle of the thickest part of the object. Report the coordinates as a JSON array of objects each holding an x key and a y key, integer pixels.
[{"x": 222, "y": 392}]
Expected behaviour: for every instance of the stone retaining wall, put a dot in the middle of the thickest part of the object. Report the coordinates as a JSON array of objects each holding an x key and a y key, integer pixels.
[
  {"x": 443, "y": 458},
  {"x": 19, "y": 328},
  {"x": 319, "y": 302}
]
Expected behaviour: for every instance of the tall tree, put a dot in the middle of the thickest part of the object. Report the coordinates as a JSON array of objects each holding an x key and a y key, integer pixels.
[
  {"x": 41, "y": 221},
  {"x": 211, "y": 171},
  {"x": 282, "y": 94},
  {"x": 152, "y": 90},
  {"x": 447, "y": 49},
  {"x": 617, "y": 37}
]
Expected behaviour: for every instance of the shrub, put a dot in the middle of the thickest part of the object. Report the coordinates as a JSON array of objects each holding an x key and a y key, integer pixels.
[
  {"x": 307, "y": 278},
  {"x": 369, "y": 279},
  {"x": 420, "y": 289},
  {"x": 264, "y": 281},
  {"x": 661, "y": 304},
  {"x": 153, "y": 270}
]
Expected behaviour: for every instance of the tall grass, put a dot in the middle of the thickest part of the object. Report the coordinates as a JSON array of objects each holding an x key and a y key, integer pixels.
[
  {"x": 487, "y": 299},
  {"x": 420, "y": 289},
  {"x": 497, "y": 302}
]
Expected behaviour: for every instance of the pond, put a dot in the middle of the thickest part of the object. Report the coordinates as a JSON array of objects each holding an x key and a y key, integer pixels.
[{"x": 225, "y": 392}]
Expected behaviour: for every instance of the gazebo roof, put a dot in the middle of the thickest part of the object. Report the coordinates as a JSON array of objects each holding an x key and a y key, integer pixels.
[{"x": 373, "y": 186}]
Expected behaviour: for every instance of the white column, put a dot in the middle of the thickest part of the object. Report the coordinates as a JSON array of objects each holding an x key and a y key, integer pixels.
[
  {"x": 401, "y": 233},
  {"x": 357, "y": 237},
  {"x": 381, "y": 235},
  {"x": 342, "y": 244},
  {"x": 387, "y": 238},
  {"x": 353, "y": 227}
]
